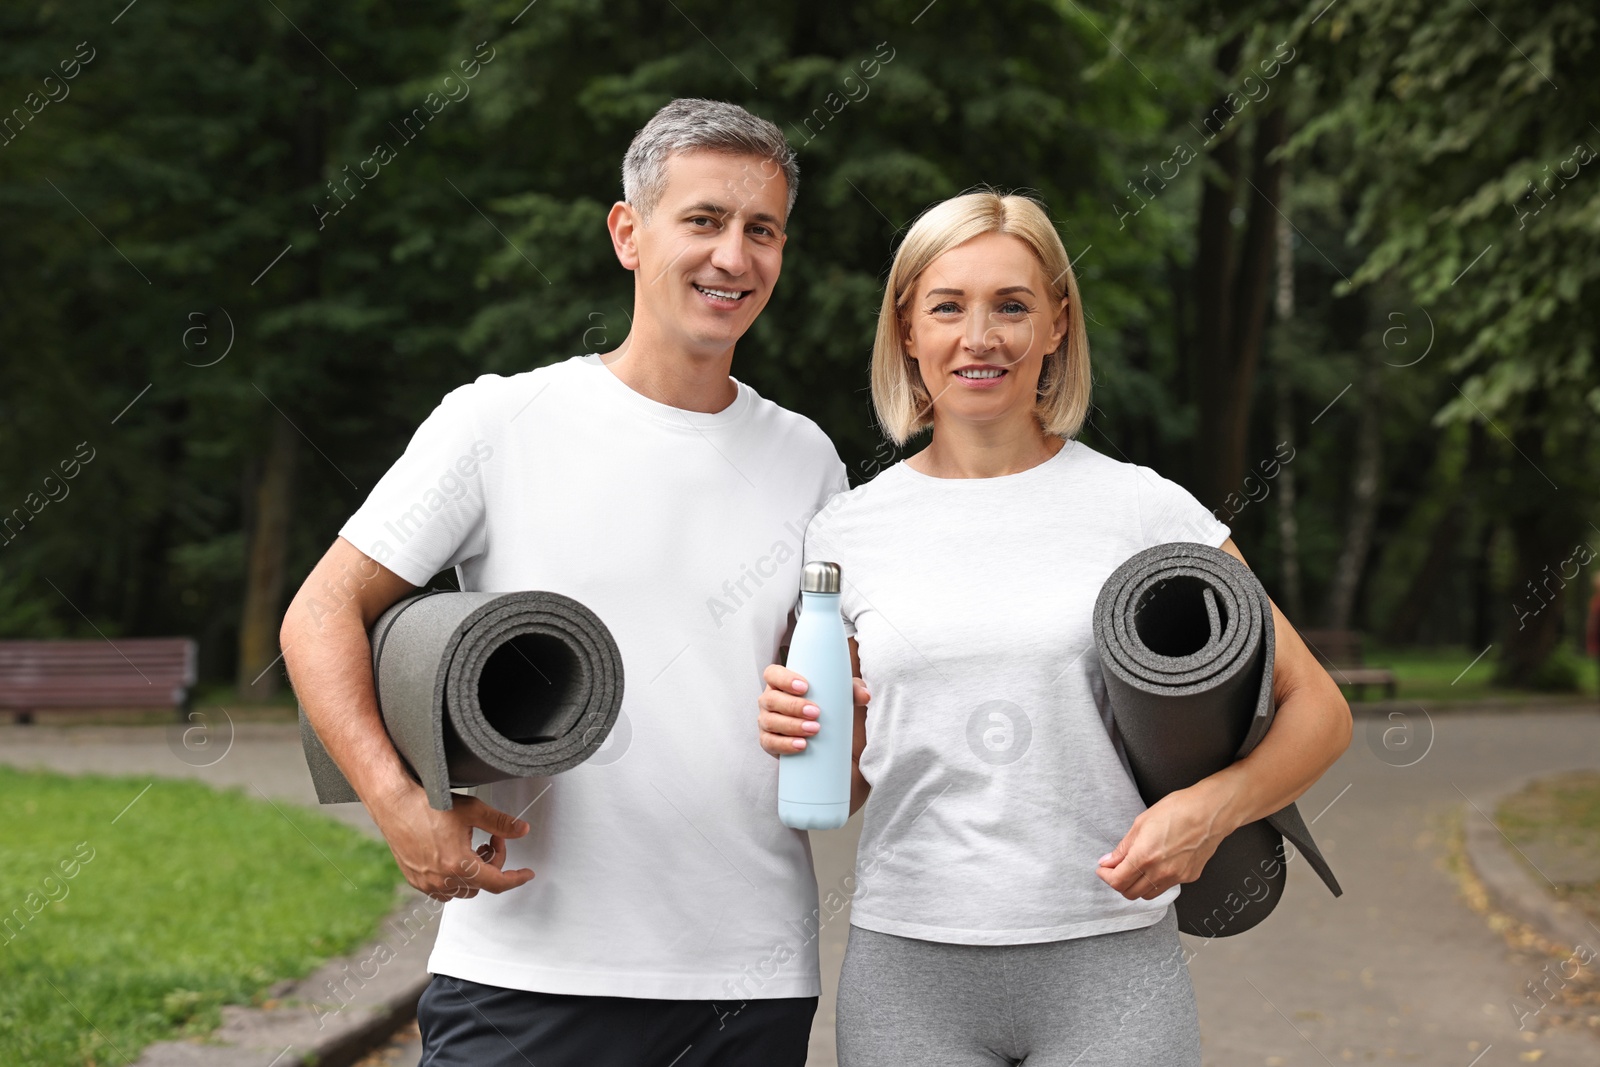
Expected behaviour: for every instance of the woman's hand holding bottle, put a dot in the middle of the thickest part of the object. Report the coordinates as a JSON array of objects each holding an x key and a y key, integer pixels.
[{"x": 786, "y": 717}]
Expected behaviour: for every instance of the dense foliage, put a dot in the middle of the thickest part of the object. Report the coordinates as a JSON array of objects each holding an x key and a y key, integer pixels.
[{"x": 248, "y": 247}]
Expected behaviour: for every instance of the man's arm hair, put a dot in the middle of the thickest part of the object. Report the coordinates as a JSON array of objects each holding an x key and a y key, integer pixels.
[{"x": 329, "y": 658}]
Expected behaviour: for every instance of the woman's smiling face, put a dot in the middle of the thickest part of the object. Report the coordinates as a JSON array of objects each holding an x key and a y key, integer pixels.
[{"x": 979, "y": 323}]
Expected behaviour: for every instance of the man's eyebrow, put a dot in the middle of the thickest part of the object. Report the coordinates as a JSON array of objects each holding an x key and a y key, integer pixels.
[{"x": 706, "y": 207}]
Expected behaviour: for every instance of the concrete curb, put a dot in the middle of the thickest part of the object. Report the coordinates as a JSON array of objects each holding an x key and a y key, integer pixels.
[
  {"x": 1565, "y": 702},
  {"x": 332, "y": 1017},
  {"x": 1505, "y": 877}
]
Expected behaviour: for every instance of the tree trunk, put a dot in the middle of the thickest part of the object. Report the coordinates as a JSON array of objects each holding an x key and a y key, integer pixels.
[
  {"x": 1451, "y": 530},
  {"x": 1363, "y": 505},
  {"x": 1538, "y": 595},
  {"x": 1443, "y": 548},
  {"x": 1479, "y": 631},
  {"x": 273, "y": 498},
  {"x": 1482, "y": 634},
  {"x": 1231, "y": 286},
  {"x": 1283, "y": 431},
  {"x": 268, "y": 550},
  {"x": 1547, "y": 528}
]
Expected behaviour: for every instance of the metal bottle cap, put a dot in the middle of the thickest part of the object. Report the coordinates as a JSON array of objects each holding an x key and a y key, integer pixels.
[{"x": 820, "y": 576}]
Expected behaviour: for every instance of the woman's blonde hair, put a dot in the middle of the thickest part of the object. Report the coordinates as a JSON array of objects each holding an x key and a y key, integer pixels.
[{"x": 899, "y": 395}]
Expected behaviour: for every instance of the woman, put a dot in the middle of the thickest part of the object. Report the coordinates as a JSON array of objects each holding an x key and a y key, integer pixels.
[{"x": 1013, "y": 893}]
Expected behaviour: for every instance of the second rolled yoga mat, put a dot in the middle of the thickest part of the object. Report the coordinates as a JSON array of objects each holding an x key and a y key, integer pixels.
[
  {"x": 1186, "y": 643},
  {"x": 481, "y": 687}
]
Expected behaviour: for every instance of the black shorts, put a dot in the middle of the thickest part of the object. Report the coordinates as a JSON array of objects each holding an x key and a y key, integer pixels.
[{"x": 467, "y": 1024}]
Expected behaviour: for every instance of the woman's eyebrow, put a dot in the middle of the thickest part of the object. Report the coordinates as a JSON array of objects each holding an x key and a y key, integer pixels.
[{"x": 998, "y": 292}]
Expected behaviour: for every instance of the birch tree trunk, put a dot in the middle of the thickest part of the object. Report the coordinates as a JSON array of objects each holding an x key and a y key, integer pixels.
[
  {"x": 1363, "y": 503},
  {"x": 1283, "y": 432}
]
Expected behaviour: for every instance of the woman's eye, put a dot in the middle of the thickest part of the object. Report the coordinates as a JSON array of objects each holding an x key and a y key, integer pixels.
[
  {"x": 1013, "y": 307},
  {"x": 941, "y": 308}
]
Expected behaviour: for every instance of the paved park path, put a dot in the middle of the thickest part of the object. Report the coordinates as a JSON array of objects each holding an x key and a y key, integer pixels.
[{"x": 1398, "y": 970}]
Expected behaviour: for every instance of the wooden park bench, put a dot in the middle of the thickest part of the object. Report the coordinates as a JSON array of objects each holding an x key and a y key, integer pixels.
[
  {"x": 134, "y": 672},
  {"x": 1340, "y": 652}
]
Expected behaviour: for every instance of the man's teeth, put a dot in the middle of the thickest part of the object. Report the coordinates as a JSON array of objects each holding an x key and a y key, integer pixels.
[
  {"x": 992, "y": 372},
  {"x": 726, "y": 294}
]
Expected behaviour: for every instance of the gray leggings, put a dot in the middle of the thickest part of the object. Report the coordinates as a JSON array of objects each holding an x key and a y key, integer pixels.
[{"x": 1113, "y": 1000}]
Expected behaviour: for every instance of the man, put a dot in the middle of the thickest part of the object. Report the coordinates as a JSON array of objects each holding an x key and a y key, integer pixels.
[{"x": 647, "y": 906}]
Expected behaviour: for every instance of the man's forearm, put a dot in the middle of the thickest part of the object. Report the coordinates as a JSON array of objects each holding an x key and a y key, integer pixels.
[{"x": 330, "y": 667}]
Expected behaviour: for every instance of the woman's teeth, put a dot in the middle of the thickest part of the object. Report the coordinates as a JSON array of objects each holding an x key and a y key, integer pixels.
[
  {"x": 726, "y": 294},
  {"x": 992, "y": 372}
]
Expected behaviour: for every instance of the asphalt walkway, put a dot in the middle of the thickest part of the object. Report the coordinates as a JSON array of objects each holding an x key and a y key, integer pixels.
[{"x": 1399, "y": 969}]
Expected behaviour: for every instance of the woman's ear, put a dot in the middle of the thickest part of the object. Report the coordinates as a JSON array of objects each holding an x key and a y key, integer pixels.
[{"x": 1059, "y": 327}]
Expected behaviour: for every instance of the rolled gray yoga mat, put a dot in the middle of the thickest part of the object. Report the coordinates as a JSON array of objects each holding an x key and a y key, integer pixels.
[
  {"x": 1185, "y": 637},
  {"x": 481, "y": 687}
]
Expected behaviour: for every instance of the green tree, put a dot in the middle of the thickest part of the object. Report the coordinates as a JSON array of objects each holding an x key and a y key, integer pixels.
[{"x": 1468, "y": 130}]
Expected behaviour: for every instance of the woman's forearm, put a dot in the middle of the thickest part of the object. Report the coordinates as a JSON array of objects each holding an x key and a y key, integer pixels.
[
  {"x": 858, "y": 790},
  {"x": 859, "y": 786},
  {"x": 1310, "y": 731}
]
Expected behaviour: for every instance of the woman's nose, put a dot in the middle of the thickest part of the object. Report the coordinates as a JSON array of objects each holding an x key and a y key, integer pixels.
[{"x": 982, "y": 334}]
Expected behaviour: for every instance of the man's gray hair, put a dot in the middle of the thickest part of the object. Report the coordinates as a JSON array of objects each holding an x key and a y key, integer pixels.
[{"x": 690, "y": 123}]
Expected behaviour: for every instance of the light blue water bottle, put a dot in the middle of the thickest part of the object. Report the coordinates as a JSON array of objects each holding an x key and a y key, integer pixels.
[{"x": 814, "y": 783}]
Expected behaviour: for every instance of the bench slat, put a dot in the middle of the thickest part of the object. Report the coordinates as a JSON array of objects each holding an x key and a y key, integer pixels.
[{"x": 133, "y": 672}]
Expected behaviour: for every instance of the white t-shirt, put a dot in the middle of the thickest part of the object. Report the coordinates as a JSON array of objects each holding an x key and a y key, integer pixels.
[
  {"x": 661, "y": 867},
  {"x": 997, "y": 777}
]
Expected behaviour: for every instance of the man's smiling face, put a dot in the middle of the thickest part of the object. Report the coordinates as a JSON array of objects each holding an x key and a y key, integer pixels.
[{"x": 712, "y": 251}]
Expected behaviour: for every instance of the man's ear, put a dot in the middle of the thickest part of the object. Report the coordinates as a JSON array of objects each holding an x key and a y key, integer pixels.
[{"x": 623, "y": 224}]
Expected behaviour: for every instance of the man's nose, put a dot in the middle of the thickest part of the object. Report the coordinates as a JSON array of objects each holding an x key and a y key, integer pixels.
[{"x": 729, "y": 254}]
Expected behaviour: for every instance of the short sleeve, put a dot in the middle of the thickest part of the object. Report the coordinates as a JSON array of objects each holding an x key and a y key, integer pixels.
[
  {"x": 819, "y": 545},
  {"x": 841, "y": 479},
  {"x": 1168, "y": 512},
  {"x": 427, "y": 513}
]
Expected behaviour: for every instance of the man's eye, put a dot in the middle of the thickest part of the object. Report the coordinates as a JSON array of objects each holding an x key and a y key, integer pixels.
[
  {"x": 703, "y": 218},
  {"x": 761, "y": 231}
]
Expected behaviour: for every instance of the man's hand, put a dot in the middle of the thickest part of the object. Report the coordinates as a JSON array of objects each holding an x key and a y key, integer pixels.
[
  {"x": 329, "y": 656},
  {"x": 434, "y": 848},
  {"x": 1168, "y": 844}
]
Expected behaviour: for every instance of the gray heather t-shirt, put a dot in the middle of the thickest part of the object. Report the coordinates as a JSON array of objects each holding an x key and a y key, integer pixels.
[{"x": 997, "y": 778}]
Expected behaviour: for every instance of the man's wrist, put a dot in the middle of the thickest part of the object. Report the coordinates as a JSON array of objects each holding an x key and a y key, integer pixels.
[{"x": 386, "y": 787}]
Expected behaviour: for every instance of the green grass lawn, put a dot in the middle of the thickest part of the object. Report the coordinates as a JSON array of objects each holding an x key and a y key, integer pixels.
[
  {"x": 1555, "y": 823},
  {"x": 1436, "y": 674},
  {"x": 129, "y": 915}
]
